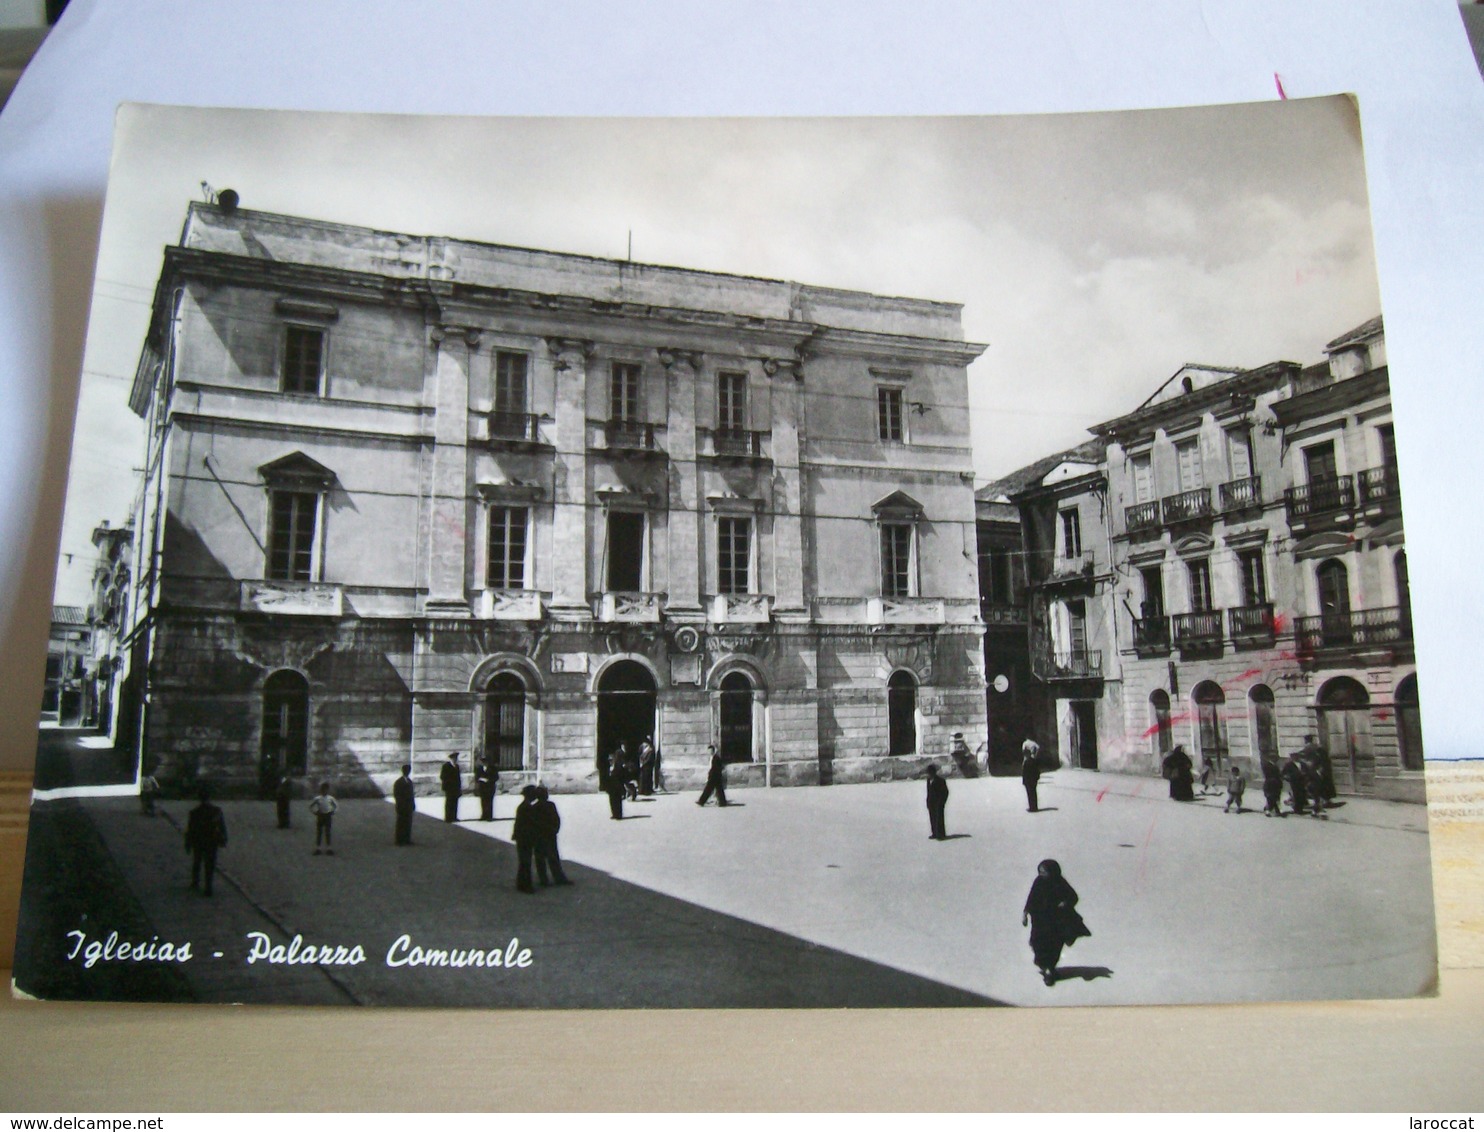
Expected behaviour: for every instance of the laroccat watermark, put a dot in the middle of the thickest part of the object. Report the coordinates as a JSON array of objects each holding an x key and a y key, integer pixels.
[{"x": 112, "y": 949}]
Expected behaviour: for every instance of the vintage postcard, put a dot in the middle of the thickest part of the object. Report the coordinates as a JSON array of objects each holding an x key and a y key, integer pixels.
[{"x": 733, "y": 563}]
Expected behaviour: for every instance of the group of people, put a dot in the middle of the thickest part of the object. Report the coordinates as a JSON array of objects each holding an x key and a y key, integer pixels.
[
  {"x": 1307, "y": 773},
  {"x": 630, "y": 773}
]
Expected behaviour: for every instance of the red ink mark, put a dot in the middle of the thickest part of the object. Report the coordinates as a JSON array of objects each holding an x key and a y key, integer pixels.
[
  {"x": 1383, "y": 715},
  {"x": 1283, "y": 94},
  {"x": 1101, "y": 792},
  {"x": 1250, "y": 673},
  {"x": 1280, "y": 622}
]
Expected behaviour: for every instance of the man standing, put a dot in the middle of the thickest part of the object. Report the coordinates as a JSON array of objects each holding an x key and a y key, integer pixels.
[
  {"x": 716, "y": 780},
  {"x": 548, "y": 825},
  {"x": 1323, "y": 770},
  {"x": 206, "y": 832},
  {"x": 403, "y": 798},
  {"x": 1030, "y": 772},
  {"x": 613, "y": 784},
  {"x": 453, "y": 785},
  {"x": 486, "y": 779},
  {"x": 525, "y": 833},
  {"x": 283, "y": 794},
  {"x": 937, "y": 804}
]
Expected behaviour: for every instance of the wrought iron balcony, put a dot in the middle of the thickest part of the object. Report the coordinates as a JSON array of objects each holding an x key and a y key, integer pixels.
[
  {"x": 1197, "y": 631},
  {"x": 1151, "y": 635},
  {"x": 631, "y": 435},
  {"x": 748, "y": 442},
  {"x": 1187, "y": 505},
  {"x": 1328, "y": 496},
  {"x": 1072, "y": 664},
  {"x": 514, "y": 426},
  {"x": 1142, "y": 517},
  {"x": 1251, "y": 624},
  {"x": 1238, "y": 494},
  {"x": 1380, "y": 487},
  {"x": 1355, "y": 628}
]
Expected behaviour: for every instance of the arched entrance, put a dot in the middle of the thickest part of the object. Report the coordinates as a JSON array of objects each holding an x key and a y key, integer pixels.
[
  {"x": 735, "y": 718},
  {"x": 1163, "y": 733},
  {"x": 1264, "y": 723},
  {"x": 1408, "y": 725},
  {"x": 901, "y": 714},
  {"x": 626, "y": 700},
  {"x": 1344, "y": 710},
  {"x": 285, "y": 743},
  {"x": 1210, "y": 715},
  {"x": 505, "y": 721}
]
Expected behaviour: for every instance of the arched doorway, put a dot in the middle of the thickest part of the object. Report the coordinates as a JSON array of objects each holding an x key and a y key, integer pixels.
[
  {"x": 1210, "y": 716},
  {"x": 284, "y": 747},
  {"x": 1334, "y": 602},
  {"x": 1264, "y": 723},
  {"x": 1408, "y": 725},
  {"x": 735, "y": 718},
  {"x": 626, "y": 700},
  {"x": 505, "y": 721},
  {"x": 901, "y": 714},
  {"x": 1163, "y": 733},
  {"x": 1344, "y": 710}
]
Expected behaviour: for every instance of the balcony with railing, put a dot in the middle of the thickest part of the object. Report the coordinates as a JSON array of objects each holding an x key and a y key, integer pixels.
[
  {"x": 737, "y": 443},
  {"x": 1239, "y": 494},
  {"x": 1251, "y": 626},
  {"x": 1380, "y": 489},
  {"x": 1331, "y": 497},
  {"x": 1197, "y": 632},
  {"x": 1151, "y": 636},
  {"x": 1142, "y": 518},
  {"x": 1353, "y": 629},
  {"x": 1069, "y": 664},
  {"x": 1187, "y": 506},
  {"x": 629, "y": 436},
  {"x": 514, "y": 429}
]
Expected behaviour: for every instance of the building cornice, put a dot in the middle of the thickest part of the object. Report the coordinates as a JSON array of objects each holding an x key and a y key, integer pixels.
[{"x": 1335, "y": 396}]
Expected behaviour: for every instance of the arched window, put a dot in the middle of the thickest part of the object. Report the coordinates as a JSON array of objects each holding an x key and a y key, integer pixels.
[
  {"x": 1334, "y": 603},
  {"x": 735, "y": 724},
  {"x": 1210, "y": 714},
  {"x": 1408, "y": 724},
  {"x": 505, "y": 721},
  {"x": 901, "y": 712},
  {"x": 285, "y": 742},
  {"x": 1163, "y": 733},
  {"x": 1344, "y": 710},
  {"x": 1264, "y": 722}
]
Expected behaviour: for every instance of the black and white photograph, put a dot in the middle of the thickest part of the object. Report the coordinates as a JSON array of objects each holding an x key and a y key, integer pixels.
[{"x": 756, "y": 562}]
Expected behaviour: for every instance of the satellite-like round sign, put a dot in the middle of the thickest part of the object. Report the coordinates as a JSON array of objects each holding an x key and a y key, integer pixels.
[{"x": 1000, "y": 683}]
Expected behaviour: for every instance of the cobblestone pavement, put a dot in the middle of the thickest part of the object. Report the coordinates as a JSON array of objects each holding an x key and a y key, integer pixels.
[{"x": 811, "y": 896}]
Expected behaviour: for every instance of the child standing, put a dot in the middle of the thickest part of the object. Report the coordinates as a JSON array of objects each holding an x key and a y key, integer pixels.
[
  {"x": 1236, "y": 786},
  {"x": 322, "y": 806}
]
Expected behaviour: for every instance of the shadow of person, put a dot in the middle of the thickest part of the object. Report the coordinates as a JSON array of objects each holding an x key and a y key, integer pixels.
[
  {"x": 634, "y": 817},
  {"x": 956, "y": 836},
  {"x": 1086, "y": 974},
  {"x": 1044, "y": 810}
]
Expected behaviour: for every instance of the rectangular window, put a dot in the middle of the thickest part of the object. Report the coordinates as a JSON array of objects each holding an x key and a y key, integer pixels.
[
  {"x": 1388, "y": 445},
  {"x": 1154, "y": 592},
  {"x": 293, "y": 516},
  {"x": 624, "y": 393},
  {"x": 510, "y": 383},
  {"x": 896, "y": 560},
  {"x": 507, "y": 547},
  {"x": 1071, "y": 534},
  {"x": 1200, "y": 586},
  {"x": 1143, "y": 479},
  {"x": 1319, "y": 463},
  {"x": 733, "y": 555},
  {"x": 1191, "y": 473},
  {"x": 1239, "y": 453},
  {"x": 303, "y": 359},
  {"x": 1077, "y": 627},
  {"x": 625, "y": 552},
  {"x": 731, "y": 401},
  {"x": 889, "y": 413},
  {"x": 1254, "y": 578}
]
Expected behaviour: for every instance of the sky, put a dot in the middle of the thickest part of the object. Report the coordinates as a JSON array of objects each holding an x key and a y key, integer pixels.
[{"x": 1093, "y": 253}]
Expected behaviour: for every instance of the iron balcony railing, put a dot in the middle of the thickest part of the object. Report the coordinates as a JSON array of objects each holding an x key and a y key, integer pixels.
[
  {"x": 1187, "y": 505},
  {"x": 1320, "y": 497},
  {"x": 1073, "y": 664},
  {"x": 514, "y": 426},
  {"x": 1251, "y": 623},
  {"x": 1354, "y": 628},
  {"x": 738, "y": 441},
  {"x": 1379, "y": 487},
  {"x": 629, "y": 434},
  {"x": 1151, "y": 634},
  {"x": 1142, "y": 517},
  {"x": 1197, "y": 630},
  {"x": 1241, "y": 493}
]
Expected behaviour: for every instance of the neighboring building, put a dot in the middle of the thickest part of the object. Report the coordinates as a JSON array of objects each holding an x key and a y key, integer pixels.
[
  {"x": 408, "y": 495},
  {"x": 1004, "y": 610},
  {"x": 64, "y": 698},
  {"x": 108, "y": 616}
]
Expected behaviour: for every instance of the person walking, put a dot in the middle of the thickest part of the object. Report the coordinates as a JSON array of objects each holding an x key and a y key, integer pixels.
[
  {"x": 452, "y": 781},
  {"x": 404, "y": 800},
  {"x": 630, "y": 772},
  {"x": 613, "y": 784},
  {"x": 716, "y": 780},
  {"x": 659, "y": 771},
  {"x": 1272, "y": 788},
  {"x": 962, "y": 757},
  {"x": 1321, "y": 774},
  {"x": 283, "y": 796},
  {"x": 1298, "y": 783},
  {"x": 1030, "y": 773},
  {"x": 1236, "y": 787},
  {"x": 1051, "y": 912},
  {"x": 937, "y": 804},
  {"x": 548, "y": 825},
  {"x": 205, "y": 833},
  {"x": 646, "y": 767},
  {"x": 1180, "y": 772},
  {"x": 149, "y": 790},
  {"x": 323, "y": 807},
  {"x": 486, "y": 780},
  {"x": 525, "y": 833}
]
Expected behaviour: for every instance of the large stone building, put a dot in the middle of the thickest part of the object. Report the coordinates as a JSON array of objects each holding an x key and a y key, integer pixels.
[{"x": 406, "y": 496}]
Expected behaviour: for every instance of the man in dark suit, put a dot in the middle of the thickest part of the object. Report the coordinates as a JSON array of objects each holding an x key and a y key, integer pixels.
[
  {"x": 404, "y": 800},
  {"x": 1030, "y": 772},
  {"x": 525, "y": 833},
  {"x": 486, "y": 778},
  {"x": 206, "y": 832},
  {"x": 453, "y": 785},
  {"x": 937, "y": 804},
  {"x": 716, "y": 780},
  {"x": 548, "y": 825}
]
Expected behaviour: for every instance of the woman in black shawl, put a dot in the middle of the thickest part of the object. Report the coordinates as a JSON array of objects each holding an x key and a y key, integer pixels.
[
  {"x": 1180, "y": 772},
  {"x": 1051, "y": 912}
]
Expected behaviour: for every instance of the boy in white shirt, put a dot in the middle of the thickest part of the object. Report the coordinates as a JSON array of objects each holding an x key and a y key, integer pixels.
[{"x": 322, "y": 806}]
